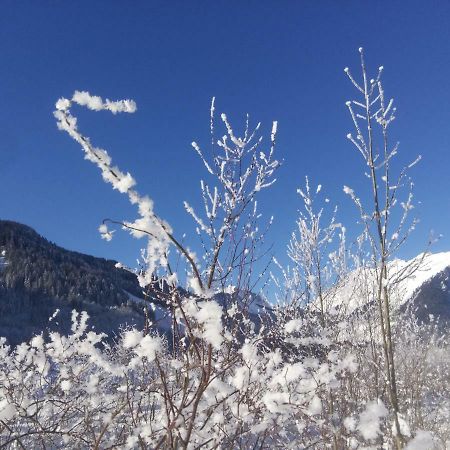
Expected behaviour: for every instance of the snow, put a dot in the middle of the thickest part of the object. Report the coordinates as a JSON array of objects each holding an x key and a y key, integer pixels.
[
  {"x": 66, "y": 385},
  {"x": 148, "y": 347},
  {"x": 405, "y": 278},
  {"x": 208, "y": 315},
  {"x": 274, "y": 130},
  {"x": 149, "y": 225},
  {"x": 369, "y": 420},
  {"x": 105, "y": 233},
  {"x": 96, "y": 103},
  {"x": 131, "y": 338},
  {"x": 293, "y": 325},
  {"x": 348, "y": 190},
  {"x": 3, "y": 260},
  {"x": 433, "y": 264},
  {"x": 315, "y": 406},
  {"x": 7, "y": 411},
  {"x": 422, "y": 441}
]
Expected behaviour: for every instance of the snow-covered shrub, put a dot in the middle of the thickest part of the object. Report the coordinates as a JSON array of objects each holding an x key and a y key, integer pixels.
[
  {"x": 76, "y": 392},
  {"x": 232, "y": 370}
]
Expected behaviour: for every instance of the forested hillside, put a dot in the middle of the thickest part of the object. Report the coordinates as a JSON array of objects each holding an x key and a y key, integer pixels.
[{"x": 37, "y": 277}]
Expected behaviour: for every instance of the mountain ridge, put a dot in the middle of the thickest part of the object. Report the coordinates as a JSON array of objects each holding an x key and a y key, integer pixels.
[
  {"x": 421, "y": 285},
  {"x": 37, "y": 277}
]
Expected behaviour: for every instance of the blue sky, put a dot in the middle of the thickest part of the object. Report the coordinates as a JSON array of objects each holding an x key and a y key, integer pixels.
[{"x": 276, "y": 60}]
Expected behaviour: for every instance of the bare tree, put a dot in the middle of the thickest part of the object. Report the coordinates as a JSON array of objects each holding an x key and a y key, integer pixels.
[
  {"x": 319, "y": 262},
  {"x": 372, "y": 114}
]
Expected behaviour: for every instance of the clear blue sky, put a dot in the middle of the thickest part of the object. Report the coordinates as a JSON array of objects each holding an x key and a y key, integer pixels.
[{"x": 278, "y": 60}]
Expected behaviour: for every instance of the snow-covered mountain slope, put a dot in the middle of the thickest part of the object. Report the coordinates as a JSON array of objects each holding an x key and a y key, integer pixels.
[
  {"x": 417, "y": 277},
  {"x": 410, "y": 284}
]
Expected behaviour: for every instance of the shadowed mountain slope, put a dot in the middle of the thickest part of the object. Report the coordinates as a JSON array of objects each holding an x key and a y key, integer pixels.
[{"x": 37, "y": 277}]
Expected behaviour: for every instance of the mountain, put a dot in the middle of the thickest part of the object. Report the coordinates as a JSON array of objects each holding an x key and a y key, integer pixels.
[
  {"x": 432, "y": 300},
  {"x": 421, "y": 284},
  {"x": 37, "y": 277}
]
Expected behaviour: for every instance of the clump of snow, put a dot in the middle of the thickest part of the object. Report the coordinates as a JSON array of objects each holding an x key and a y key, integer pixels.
[
  {"x": 66, "y": 385},
  {"x": 422, "y": 441},
  {"x": 7, "y": 410},
  {"x": 348, "y": 190},
  {"x": 315, "y": 406},
  {"x": 53, "y": 316},
  {"x": 208, "y": 316},
  {"x": 350, "y": 423},
  {"x": 3, "y": 260},
  {"x": 369, "y": 420},
  {"x": 131, "y": 338},
  {"x": 105, "y": 233},
  {"x": 96, "y": 103},
  {"x": 293, "y": 325}
]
